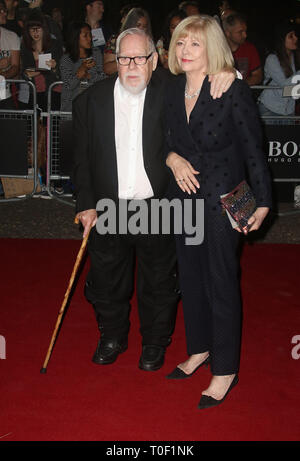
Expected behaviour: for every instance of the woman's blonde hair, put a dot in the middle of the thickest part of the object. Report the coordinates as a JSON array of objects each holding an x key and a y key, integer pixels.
[{"x": 207, "y": 29}]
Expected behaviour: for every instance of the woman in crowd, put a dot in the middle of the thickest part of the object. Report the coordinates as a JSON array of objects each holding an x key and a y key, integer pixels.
[
  {"x": 212, "y": 145},
  {"x": 81, "y": 66},
  {"x": 281, "y": 69},
  {"x": 162, "y": 46},
  {"x": 136, "y": 17},
  {"x": 36, "y": 42}
]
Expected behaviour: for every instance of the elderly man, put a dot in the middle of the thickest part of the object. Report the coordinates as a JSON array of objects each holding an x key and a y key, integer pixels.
[{"x": 119, "y": 155}]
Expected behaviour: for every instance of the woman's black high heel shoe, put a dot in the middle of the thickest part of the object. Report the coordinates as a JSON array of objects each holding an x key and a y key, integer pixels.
[
  {"x": 207, "y": 401},
  {"x": 177, "y": 373}
]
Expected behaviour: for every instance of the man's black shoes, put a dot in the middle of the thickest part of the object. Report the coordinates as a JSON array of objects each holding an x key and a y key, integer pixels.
[
  {"x": 108, "y": 350},
  {"x": 152, "y": 358}
]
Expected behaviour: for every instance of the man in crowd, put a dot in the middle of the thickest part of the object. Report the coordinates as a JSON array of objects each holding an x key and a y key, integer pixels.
[
  {"x": 94, "y": 10},
  {"x": 246, "y": 56},
  {"x": 9, "y": 58},
  {"x": 12, "y": 23},
  {"x": 121, "y": 158}
]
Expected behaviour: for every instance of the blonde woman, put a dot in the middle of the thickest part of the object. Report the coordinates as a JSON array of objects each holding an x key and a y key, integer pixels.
[{"x": 213, "y": 144}]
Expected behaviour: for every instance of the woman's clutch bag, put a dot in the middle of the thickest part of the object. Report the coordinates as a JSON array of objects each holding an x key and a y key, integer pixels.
[{"x": 239, "y": 204}]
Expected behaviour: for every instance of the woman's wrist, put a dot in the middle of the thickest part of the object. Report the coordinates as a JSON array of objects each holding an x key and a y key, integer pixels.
[{"x": 171, "y": 158}]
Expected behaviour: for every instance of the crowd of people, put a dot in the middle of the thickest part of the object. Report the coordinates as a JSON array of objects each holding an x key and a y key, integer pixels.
[
  {"x": 45, "y": 52},
  {"x": 83, "y": 51},
  {"x": 43, "y": 49}
]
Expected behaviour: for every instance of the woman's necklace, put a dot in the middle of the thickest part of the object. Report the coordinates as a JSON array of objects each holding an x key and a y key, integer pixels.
[{"x": 191, "y": 96}]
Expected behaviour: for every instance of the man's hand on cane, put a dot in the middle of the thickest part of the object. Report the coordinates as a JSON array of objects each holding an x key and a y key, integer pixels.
[{"x": 88, "y": 219}]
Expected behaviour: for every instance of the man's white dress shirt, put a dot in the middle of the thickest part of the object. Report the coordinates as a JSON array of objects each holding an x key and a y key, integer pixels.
[{"x": 132, "y": 178}]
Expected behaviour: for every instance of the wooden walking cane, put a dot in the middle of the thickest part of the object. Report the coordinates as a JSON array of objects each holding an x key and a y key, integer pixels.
[{"x": 61, "y": 311}]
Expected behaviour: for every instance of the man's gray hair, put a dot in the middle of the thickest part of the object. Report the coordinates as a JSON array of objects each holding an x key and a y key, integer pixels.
[{"x": 135, "y": 31}]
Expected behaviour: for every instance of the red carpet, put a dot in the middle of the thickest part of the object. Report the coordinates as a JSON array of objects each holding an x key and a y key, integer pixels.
[{"x": 77, "y": 400}]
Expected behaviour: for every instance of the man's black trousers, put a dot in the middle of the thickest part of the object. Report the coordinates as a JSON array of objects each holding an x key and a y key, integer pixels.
[{"x": 115, "y": 261}]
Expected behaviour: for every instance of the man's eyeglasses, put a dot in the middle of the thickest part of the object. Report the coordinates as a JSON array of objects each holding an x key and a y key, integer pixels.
[{"x": 138, "y": 60}]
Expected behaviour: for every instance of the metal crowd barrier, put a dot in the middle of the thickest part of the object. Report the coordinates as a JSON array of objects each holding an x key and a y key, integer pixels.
[
  {"x": 58, "y": 143},
  {"x": 19, "y": 161},
  {"x": 266, "y": 118}
]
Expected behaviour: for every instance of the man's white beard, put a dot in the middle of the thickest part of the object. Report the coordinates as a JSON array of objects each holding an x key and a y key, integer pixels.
[{"x": 133, "y": 89}]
